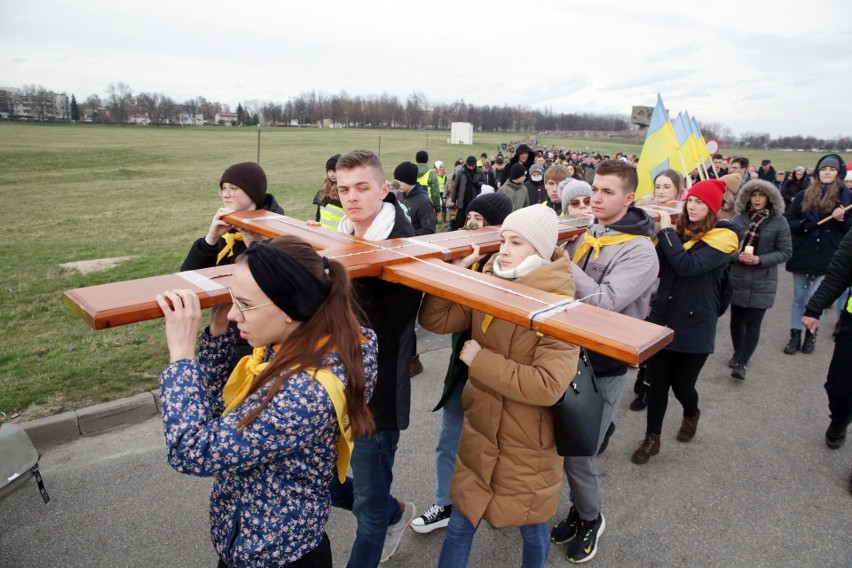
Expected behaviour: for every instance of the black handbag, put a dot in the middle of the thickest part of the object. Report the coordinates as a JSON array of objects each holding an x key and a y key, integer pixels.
[{"x": 577, "y": 415}]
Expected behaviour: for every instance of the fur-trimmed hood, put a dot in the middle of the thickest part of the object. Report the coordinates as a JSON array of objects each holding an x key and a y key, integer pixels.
[{"x": 744, "y": 195}]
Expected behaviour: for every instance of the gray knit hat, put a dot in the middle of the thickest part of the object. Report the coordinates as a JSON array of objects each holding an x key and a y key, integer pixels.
[
  {"x": 571, "y": 189},
  {"x": 538, "y": 225}
]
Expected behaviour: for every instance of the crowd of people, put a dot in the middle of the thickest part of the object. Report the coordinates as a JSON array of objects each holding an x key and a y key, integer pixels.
[{"x": 294, "y": 396}]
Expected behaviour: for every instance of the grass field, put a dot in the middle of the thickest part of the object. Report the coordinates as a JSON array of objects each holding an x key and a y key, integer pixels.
[{"x": 81, "y": 192}]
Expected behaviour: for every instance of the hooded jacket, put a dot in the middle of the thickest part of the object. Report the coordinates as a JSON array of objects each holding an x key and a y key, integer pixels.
[
  {"x": 202, "y": 255},
  {"x": 754, "y": 286},
  {"x": 517, "y": 193},
  {"x": 507, "y": 171},
  {"x": 814, "y": 244},
  {"x": 620, "y": 279},
  {"x": 507, "y": 469},
  {"x": 420, "y": 210},
  {"x": 688, "y": 297}
]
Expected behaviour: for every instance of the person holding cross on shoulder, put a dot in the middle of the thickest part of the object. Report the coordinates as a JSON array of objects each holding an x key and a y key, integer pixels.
[
  {"x": 614, "y": 266},
  {"x": 373, "y": 213}
]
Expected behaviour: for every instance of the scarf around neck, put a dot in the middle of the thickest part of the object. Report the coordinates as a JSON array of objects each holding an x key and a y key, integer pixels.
[
  {"x": 752, "y": 232},
  {"x": 380, "y": 228}
]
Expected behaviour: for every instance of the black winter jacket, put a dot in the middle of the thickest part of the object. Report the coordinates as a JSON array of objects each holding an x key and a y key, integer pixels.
[
  {"x": 202, "y": 255},
  {"x": 813, "y": 244}
]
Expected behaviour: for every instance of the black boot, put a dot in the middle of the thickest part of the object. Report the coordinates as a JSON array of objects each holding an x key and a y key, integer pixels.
[
  {"x": 795, "y": 342},
  {"x": 836, "y": 433},
  {"x": 809, "y": 343},
  {"x": 641, "y": 400}
]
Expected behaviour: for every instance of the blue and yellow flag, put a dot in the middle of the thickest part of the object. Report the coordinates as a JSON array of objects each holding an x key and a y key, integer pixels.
[{"x": 660, "y": 145}]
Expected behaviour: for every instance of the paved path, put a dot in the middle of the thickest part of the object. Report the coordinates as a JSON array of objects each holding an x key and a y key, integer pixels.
[{"x": 756, "y": 488}]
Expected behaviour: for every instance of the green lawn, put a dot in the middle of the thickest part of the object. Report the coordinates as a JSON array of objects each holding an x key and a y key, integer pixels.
[{"x": 82, "y": 192}]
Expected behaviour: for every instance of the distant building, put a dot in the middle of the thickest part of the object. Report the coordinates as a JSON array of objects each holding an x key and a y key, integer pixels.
[
  {"x": 139, "y": 119},
  {"x": 226, "y": 118},
  {"x": 40, "y": 105}
]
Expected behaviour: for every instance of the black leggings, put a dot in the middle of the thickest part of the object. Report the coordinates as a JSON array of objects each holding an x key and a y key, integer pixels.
[
  {"x": 745, "y": 331},
  {"x": 678, "y": 371},
  {"x": 320, "y": 557}
]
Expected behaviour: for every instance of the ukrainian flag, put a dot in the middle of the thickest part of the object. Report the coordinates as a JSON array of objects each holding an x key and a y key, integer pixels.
[{"x": 660, "y": 144}]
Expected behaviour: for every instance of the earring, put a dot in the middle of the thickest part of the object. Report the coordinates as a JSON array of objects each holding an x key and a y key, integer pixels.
[{"x": 289, "y": 321}]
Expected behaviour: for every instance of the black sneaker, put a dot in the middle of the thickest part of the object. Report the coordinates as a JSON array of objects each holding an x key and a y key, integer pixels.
[
  {"x": 566, "y": 529},
  {"x": 584, "y": 547},
  {"x": 733, "y": 361},
  {"x": 739, "y": 371},
  {"x": 435, "y": 517}
]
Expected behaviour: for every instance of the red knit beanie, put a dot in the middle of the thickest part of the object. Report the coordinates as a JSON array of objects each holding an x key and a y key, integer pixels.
[{"x": 711, "y": 192}]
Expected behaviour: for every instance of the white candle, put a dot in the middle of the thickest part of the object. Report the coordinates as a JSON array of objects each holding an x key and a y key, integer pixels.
[{"x": 748, "y": 249}]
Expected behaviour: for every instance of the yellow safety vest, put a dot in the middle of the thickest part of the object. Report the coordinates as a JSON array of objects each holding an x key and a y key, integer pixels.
[
  {"x": 424, "y": 181},
  {"x": 330, "y": 216},
  {"x": 442, "y": 183}
]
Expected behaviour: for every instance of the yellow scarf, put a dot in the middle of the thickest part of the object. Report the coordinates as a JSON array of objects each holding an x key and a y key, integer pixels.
[
  {"x": 230, "y": 240},
  {"x": 594, "y": 243},
  {"x": 724, "y": 240},
  {"x": 239, "y": 383}
]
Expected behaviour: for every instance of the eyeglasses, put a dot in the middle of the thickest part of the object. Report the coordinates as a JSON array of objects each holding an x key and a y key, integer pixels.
[
  {"x": 228, "y": 190},
  {"x": 577, "y": 202},
  {"x": 244, "y": 309}
]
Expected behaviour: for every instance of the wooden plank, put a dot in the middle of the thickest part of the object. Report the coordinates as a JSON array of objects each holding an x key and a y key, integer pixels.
[
  {"x": 120, "y": 303},
  {"x": 625, "y": 338}
]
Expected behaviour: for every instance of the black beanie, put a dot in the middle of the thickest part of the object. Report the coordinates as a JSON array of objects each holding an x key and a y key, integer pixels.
[
  {"x": 833, "y": 161},
  {"x": 495, "y": 207},
  {"x": 249, "y": 177},
  {"x": 406, "y": 172},
  {"x": 422, "y": 157},
  {"x": 331, "y": 164},
  {"x": 517, "y": 171},
  {"x": 471, "y": 161}
]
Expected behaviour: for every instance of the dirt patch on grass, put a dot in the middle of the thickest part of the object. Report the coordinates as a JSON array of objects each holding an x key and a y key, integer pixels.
[{"x": 96, "y": 265}]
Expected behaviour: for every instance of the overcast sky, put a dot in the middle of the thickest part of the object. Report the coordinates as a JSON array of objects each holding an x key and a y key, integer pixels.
[{"x": 779, "y": 67}]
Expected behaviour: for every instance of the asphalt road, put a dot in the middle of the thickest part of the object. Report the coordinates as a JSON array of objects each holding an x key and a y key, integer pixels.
[{"x": 756, "y": 488}]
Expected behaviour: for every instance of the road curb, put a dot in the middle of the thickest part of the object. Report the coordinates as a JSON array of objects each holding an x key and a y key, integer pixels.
[{"x": 93, "y": 419}]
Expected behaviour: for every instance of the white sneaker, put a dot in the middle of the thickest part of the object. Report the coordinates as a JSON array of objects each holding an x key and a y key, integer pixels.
[{"x": 395, "y": 531}]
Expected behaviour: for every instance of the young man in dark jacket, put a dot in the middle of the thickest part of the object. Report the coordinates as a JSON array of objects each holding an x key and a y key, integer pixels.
[
  {"x": 416, "y": 199},
  {"x": 467, "y": 184},
  {"x": 372, "y": 213}
]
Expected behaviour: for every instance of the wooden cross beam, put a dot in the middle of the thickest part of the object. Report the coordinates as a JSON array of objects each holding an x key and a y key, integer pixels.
[{"x": 417, "y": 262}]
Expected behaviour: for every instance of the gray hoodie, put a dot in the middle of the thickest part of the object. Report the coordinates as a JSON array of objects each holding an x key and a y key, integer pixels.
[{"x": 621, "y": 278}]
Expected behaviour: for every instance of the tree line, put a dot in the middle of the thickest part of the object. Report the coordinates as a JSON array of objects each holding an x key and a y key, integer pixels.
[{"x": 373, "y": 111}]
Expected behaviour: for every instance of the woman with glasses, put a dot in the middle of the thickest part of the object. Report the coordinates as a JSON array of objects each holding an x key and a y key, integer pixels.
[
  {"x": 242, "y": 188},
  {"x": 274, "y": 432},
  {"x": 668, "y": 186}
]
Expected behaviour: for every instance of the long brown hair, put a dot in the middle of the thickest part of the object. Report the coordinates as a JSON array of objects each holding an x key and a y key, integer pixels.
[
  {"x": 815, "y": 198},
  {"x": 699, "y": 228},
  {"x": 328, "y": 191},
  {"x": 334, "y": 327}
]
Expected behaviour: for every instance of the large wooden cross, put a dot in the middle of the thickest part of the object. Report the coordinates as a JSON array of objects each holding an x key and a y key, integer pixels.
[{"x": 417, "y": 262}]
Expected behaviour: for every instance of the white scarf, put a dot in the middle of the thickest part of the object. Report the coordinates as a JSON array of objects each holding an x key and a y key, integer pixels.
[
  {"x": 380, "y": 228},
  {"x": 526, "y": 266}
]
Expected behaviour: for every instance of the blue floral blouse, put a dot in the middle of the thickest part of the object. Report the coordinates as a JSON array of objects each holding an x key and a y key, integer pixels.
[{"x": 270, "y": 499}]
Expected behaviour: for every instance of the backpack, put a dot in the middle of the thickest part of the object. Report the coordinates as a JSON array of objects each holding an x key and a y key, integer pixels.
[{"x": 20, "y": 460}]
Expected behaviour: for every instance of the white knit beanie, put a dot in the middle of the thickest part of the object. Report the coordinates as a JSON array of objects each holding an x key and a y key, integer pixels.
[{"x": 537, "y": 224}]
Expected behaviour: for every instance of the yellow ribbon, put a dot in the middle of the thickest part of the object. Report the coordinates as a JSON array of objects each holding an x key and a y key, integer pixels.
[
  {"x": 237, "y": 389},
  {"x": 591, "y": 242},
  {"x": 230, "y": 240},
  {"x": 724, "y": 240}
]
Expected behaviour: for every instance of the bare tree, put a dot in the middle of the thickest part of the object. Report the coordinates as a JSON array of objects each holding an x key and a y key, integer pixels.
[{"x": 120, "y": 98}]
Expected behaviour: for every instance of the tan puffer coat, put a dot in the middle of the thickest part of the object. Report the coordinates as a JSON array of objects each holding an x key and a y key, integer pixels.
[{"x": 507, "y": 470}]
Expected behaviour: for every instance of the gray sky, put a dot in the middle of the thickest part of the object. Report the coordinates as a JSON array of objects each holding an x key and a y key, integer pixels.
[{"x": 779, "y": 67}]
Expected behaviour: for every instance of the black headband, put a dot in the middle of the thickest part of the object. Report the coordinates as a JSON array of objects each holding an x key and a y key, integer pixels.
[{"x": 286, "y": 281}]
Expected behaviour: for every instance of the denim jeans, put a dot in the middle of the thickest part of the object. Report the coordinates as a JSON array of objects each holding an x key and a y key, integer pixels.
[
  {"x": 455, "y": 552},
  {"x": 367, "y": 495},
  {"x": 452, "y": 418},
  {"x": 803, "y": 289}
]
